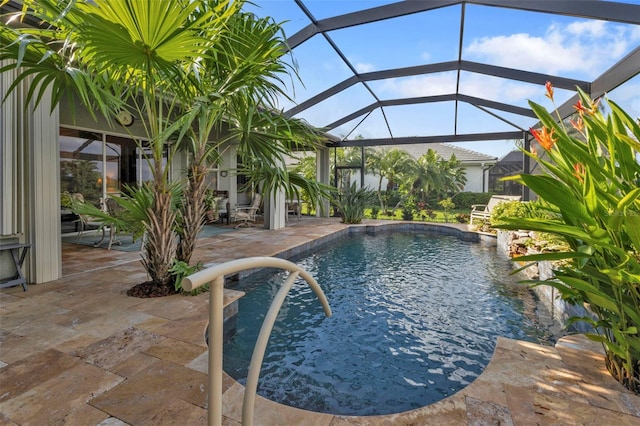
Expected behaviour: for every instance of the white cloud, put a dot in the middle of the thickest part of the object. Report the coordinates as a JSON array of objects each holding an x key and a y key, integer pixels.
[
  {"x": 424, "y": 85},
  {"x": 592, "y": 29},
  {"x": 584, "y": 48},
  {"x": 497, "y": 89},
  {"x": 470, "y": 84},
  {"x": 523, "y": 50},
  {"x": 363, "y": 67}
]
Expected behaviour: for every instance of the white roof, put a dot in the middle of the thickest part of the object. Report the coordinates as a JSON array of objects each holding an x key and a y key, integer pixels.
[{"x": 445, "y": 150}]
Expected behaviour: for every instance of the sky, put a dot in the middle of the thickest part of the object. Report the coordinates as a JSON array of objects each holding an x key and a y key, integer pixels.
[{"x": 551, "y": 44}]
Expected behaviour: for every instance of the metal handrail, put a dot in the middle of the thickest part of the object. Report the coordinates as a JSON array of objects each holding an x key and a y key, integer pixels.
[{"x": 215, "y": 275}]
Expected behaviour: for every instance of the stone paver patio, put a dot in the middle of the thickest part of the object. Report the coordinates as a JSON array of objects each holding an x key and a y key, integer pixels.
[{"x": 79, "y": 351}]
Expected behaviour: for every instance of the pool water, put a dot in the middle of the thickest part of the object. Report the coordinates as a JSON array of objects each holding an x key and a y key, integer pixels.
[{"x": 415, "y": 319}]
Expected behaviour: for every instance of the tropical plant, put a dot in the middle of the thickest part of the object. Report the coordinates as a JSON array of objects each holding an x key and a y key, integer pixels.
[
  {"x": 509, "y": 209},
  {"x": 407, "y": 212},
  {"x": 237, "y": 88},
  {"x": 180, "y": 270},
  {"x": 437, "y": 176},
  {"x": 374, "y": 212},
  {"x": 538, "y": 209},
  {"x": 109, "y": 54},
  {"x": 266, "y": 177},
  {"x": 447, "y": 205},
  {"x": 178, "y": 65},
  {"x": 462, "y": 218},
  {"x": 351, "y": 203},
  {"x": 391, "y": 164},
  {"x": 133, "y": 212},
  {"x": 66, "y": 201},
  {"x": 428, "y": 174},
  {"x": 591, "y": 182},
  {"x": 429, "y": 213},
  {"x": 455, "y": 176}
]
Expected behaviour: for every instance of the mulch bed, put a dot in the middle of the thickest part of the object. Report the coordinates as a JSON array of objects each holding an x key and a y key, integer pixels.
[{"x": 151, "y": 289}]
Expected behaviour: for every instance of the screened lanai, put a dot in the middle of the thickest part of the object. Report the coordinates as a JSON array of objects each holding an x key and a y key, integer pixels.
[{"x": 376, "y": 73}]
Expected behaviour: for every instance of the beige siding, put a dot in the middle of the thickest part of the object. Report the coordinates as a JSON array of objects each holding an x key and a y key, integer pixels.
[
  {"x": 29, "y": 180},
  {"x": 43, "y": 189},
  {"x": 9, "y": 156}
]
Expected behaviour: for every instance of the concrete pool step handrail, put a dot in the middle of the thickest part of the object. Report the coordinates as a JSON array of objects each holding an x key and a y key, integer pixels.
[{"x": 215, "y": 276}]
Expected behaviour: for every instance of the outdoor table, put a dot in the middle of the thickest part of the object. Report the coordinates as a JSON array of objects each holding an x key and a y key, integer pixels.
[{"x": 18, "y": 253}]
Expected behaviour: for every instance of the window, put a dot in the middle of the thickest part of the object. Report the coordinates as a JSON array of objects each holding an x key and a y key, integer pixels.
[
  {"x": 81, "y": 164},
  {"x": 96, "y": 165}
]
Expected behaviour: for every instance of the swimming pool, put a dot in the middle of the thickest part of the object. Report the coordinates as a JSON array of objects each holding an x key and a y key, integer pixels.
[{"x": 415, "y": 319}]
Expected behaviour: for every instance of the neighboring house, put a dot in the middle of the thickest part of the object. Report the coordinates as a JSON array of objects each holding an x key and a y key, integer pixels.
[
  {"x": 509, "y": 165},
  {"x": 474, "y": 163}
]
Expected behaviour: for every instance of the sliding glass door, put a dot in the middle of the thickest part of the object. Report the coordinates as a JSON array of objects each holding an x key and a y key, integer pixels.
[{"x": 96, "y": 165}]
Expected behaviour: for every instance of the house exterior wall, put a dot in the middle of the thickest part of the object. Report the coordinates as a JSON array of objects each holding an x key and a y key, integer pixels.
[
  {"x": 30, "y": 181},
  {"x": 229, "y": 165},
  {"x": 30, "y": 175},
  {"x": 476, "y": 178},
  {"x": 322, "y": 173},
  {"x": 474, "y": 173}
]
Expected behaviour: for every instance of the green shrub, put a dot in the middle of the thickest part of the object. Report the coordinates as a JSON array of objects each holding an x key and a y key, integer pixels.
[
  {"x": 429, "y": 213},
  {"x": 462, "y": 217},
  {"x": 352, "y": 201},
  {"x": 508, "y": 209},
  {"x": 464, "y": 200},
  {"x": 180, "y": 270},
  {"x": 407, "y": 213},
  {"x": 447, "y": 205},
  {"x": 538, "y": 209},
  {"x": 391, "y": 200},
  {"x": 374, "y": 212}
]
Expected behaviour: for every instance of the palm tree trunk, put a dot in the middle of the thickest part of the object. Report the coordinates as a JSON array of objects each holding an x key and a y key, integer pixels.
[
  {"x": 192, "y": 212},
  {"x": 382, "y": 206},
  {"x": 159, "y": 249}
]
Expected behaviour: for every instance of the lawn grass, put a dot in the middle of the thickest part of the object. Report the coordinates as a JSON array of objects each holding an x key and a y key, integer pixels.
[{"x": 439, "y": 215}]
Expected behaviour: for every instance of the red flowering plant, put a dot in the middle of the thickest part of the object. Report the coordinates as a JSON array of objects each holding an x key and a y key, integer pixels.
[{"x": 591, "y": 180}]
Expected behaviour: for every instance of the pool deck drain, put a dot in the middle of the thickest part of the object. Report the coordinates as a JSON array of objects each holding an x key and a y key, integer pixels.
[{"x": 79, "y": 351}]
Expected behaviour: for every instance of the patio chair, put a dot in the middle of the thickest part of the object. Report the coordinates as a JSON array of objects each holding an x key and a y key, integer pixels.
[
  {"x": 114, "y": 210},
  {"x": 86, "y": 222},
  {"x": 102, "y": 223},
  {"x": 222, "y": 209},
  {"x": 483, "y": 211},
  {"x": 246, "y": 214},
  {"x": 293, "y": 207}
]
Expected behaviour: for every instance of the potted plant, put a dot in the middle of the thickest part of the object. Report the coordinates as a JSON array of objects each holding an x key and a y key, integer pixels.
[{"x": 211, "y": 210}]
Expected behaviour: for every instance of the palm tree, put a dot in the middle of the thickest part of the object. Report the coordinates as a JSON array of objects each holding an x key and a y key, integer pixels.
[
  {"x": 392, "y": 164},
  {"x": 161, "y": 59},
  {"x": 454, "y": 176},
  {"x": 429, "y": 174},
  {"x": 237, "y": 88},
  {"x": 435, "y": 175},
  {"x": 110, "y": 53}
]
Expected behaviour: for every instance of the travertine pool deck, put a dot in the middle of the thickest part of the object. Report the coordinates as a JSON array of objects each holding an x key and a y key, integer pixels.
[{"x": 78, "y": 351}]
